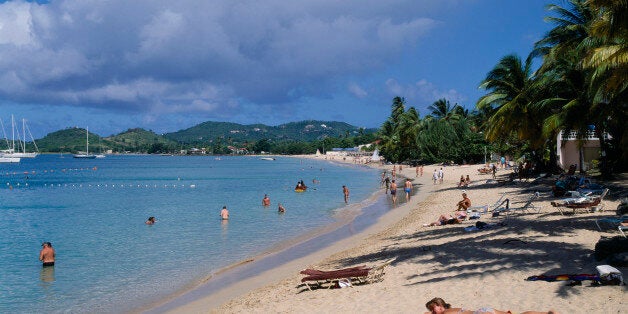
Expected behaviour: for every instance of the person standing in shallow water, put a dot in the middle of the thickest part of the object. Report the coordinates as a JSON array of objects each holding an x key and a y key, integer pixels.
[
  {"x": 393, "y": 191},
  {"x": 47, "y": 254},
  {"x": 224, "y": 213},
  {"x": 266, "y": 200},
  {"x": 345, "y": 191},
  {"x": 408, "y": 189}
]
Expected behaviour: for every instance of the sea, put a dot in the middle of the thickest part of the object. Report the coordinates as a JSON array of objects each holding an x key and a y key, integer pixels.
[{"x": 109, "y": 261}]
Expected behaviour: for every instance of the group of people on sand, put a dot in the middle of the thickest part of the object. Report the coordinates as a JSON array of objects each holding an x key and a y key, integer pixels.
[
  {"x": 457, "y": 217},
  {"x": 438, "y": 175},
  {"x": 391, "y": 185},
  {"x": 439, "y": 306},
  {"x": 464, "y": 181}
]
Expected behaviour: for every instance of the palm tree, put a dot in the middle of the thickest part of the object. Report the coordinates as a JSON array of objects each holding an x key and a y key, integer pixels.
[
  {"x": 592, "y": 82},
  {"x": 508, "y": 102},
  {"x": 442, "y": 109}
]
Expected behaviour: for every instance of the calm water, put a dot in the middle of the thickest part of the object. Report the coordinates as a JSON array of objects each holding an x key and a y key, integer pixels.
[{"x": 108, "y": 260}]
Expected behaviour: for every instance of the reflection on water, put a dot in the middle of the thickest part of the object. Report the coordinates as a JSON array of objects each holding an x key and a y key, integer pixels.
[
  {"x": 224, "y": 224},
  {"x": 47, "y": 279}
]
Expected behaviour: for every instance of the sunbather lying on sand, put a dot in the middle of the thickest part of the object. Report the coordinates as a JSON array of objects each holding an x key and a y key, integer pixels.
[
  {"x": 438, "y": 306},
  {"x": 447, "y": 219}
]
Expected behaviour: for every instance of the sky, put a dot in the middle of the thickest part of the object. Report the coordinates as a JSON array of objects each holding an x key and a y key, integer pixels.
[{"x": 168, "y": 65}]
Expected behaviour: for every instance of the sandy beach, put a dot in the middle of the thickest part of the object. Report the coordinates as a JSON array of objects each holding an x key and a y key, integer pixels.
[{"x": 469, "y": 269}]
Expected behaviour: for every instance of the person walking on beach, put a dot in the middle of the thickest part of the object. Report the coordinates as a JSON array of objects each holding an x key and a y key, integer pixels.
[
  {"x": 416, "y": 171},
  {"x": 387, "y": 183},
  {"x": 441, "y": 175},
  {"x": 47, "y": 254},
  {"x": 408, "y": 189},
  {"x": 345, "y": 191},
  {"x": 393, "y": 191},
  {"x": 266, "y": 200},
  {"x": 224, "y": 213},
  {"x": 435, "y": 176},
  {"x": 421, "y": 170}
]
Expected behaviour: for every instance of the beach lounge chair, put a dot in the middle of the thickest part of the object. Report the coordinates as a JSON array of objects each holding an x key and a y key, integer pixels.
[
  {"x": 528, "y": 206},
  {"x": 332, "y": 278},
  {"x": 589, "y": 203},
  {"x": 611, "y": 222},
  {"x": 475, "y": 212},
  {"x": 376, "y": 274}
]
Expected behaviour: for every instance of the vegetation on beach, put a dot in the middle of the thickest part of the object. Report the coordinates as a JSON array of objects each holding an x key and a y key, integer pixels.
[{"x": 581, "y": 85}]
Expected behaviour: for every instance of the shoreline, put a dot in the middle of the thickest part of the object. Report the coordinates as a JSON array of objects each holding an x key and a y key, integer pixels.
[
  {"x": 465, "y": 268},
  {"x": 241, "y": 277},
  {"x": 468, "y": 269}
]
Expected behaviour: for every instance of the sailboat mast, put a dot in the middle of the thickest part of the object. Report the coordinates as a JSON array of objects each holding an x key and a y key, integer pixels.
[
  {"x": 87, "y": 142},
  {"x": 12, "y": 133}
]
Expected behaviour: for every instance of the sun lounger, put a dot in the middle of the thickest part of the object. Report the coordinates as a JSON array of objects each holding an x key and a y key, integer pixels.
[
  {"x": 611, "y": 222},
  {"x": 590, "y": 203},
  {"x": 331, "y": 278}
]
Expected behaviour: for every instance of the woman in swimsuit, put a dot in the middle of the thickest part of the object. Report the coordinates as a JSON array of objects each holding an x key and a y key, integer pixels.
[{"x": 438, "y": 306}]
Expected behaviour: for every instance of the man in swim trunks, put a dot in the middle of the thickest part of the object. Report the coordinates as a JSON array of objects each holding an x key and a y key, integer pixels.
[
  {"x": 47, "y": 254},
  {"x": 465, "y": 203},
  {"x": 408, "y": 189},
  {"x": 345, "y": 191},
  {"x": 224, "y": 213},
  {"x": 393, "y": 191},
  {"x": 266, "y": 200}
]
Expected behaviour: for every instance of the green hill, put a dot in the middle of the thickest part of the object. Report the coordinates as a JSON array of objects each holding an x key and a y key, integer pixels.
[
  {"x": 207, "y": 134},
  {"x": 309, "y": 130}
]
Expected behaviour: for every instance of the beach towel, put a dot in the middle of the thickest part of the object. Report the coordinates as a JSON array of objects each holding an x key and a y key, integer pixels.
[
  {"x": 564, "y": 277},
  {"x": 480, "y": 225}
]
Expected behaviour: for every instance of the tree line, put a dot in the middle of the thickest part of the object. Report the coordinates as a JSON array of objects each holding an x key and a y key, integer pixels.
[{"x": 580, "y": 85}]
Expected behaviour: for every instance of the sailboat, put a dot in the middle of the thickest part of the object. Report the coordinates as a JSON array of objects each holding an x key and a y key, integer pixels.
[
  {"x": 375, "y": 157},
  {"x": 18, "y": 151},
  {"x": 86, "y": 155},
  {"x": 100, "y": 154}
]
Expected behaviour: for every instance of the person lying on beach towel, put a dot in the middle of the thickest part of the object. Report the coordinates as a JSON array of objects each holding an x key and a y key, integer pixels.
[
  {"x": 438, "y": 306},
  {"x": 447, "y": 219}
]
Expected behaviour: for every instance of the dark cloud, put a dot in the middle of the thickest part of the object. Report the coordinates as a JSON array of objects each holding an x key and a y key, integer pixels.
[{"x": 209, "y": 57}]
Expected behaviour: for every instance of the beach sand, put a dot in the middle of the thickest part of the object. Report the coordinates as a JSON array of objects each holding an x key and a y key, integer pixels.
[{"x": 467, "y": 269}]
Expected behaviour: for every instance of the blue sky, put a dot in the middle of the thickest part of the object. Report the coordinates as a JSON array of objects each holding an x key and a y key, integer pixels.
[{"x": 169, "y": 65}]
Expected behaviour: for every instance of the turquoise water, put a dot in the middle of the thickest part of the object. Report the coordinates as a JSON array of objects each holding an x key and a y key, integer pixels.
[{"x": 108, "y": 260}]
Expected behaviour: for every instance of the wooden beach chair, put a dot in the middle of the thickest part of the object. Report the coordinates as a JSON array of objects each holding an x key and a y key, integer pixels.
[
  {"x": 376, "y": 274},
  {"x": 330, "y": 278},
  {"x": 333, "y": 278}
]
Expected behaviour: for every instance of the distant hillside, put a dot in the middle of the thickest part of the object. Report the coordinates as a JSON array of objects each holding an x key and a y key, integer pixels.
[
  {"x": 214, "y": 134},
  {"x": 295, "y": 131},
  {"x": 72, "y": 140}
]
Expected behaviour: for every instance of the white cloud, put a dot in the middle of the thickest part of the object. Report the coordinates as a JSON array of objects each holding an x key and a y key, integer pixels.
[
  {"x": 356, "y": 90},
  {"x": 161, "y": 56},
  {"x": 422, "y": 93}
]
